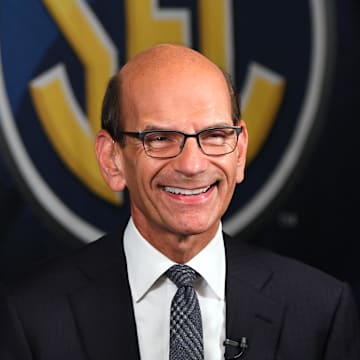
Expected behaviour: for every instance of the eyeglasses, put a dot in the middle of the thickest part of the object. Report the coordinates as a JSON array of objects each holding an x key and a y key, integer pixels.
[{"x": 215, "y": 141}]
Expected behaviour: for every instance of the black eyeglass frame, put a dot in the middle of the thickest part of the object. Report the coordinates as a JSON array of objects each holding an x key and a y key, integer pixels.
[{"x": 141, "y": 136}]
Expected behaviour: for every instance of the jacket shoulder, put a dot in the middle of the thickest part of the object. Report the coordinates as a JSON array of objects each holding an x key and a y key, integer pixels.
[
  {"x": 66, "y": 273},
  {"x": 286, "y": 277}
]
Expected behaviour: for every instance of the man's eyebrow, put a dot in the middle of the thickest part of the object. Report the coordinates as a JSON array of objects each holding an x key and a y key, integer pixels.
[{"x": 152, "y": 127}]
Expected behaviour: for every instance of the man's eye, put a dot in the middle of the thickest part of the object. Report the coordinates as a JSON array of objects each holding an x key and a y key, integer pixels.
[
  {"x": 157, "y": 138},
  {"x": 216, "y": 134},
  {"x": 162, "y": 139}
]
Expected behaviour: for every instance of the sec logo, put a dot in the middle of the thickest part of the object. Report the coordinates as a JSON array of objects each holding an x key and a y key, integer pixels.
[{"x": 56, "y": 59}]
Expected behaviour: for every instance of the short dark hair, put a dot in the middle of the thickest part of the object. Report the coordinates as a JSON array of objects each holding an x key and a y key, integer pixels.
[
  {"x": 111, "y": 110},
  {"x": 234, "y": 98}
]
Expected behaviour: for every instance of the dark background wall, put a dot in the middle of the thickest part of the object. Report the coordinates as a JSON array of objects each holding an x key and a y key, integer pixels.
[{"x": 317, "y": 220}]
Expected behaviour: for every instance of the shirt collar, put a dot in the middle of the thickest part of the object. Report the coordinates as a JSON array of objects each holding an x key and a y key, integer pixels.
[
  {"x": 146, "y": 264},
  {"x": 210, "y": 264}
]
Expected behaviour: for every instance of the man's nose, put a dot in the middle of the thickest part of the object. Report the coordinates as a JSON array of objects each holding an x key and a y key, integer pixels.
[{"x": 191, "y": 160}]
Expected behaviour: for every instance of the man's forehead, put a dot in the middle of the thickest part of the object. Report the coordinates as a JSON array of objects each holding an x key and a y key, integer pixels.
[
  {"x": 170, "y": 78},
  {"x": 165, "y": 59}
]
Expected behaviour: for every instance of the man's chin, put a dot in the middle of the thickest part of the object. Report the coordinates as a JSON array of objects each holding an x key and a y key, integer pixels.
[{"x": 194, "y": 228}]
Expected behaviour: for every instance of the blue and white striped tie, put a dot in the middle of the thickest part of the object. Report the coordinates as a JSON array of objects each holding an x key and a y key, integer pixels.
[{"x": 186, "y": 336}]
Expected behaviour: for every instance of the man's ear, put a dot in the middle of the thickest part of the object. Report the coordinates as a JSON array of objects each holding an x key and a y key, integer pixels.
[
  {"x": 109, "y": 160},
  {"x": 242, "y": 148}
]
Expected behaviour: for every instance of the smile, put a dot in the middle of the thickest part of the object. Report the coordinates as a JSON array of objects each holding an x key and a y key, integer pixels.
[{"x": 186, "y": 192}]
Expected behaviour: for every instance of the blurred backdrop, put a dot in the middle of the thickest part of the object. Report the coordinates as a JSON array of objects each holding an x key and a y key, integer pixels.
[{"x": 295, "y": 65}]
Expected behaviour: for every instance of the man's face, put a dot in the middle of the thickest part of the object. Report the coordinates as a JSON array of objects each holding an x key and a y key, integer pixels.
[{"x": 188, "y": 194}]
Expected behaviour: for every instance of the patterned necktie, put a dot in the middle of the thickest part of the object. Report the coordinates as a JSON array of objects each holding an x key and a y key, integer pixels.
[{"x": 186, "y": 338}]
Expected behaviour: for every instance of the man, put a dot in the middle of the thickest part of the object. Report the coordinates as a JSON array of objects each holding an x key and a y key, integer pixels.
[{"x": 173, "y": 136}]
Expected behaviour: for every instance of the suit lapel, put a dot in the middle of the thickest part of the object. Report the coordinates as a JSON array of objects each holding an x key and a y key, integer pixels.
[
  {"x": 103, "y": 308},
  {"x": 250, "y": 313},
  {"x": 104, "y": 315}
]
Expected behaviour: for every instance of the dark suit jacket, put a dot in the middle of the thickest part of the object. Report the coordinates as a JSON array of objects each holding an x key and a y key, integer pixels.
[{"x": 80, "y": 308}]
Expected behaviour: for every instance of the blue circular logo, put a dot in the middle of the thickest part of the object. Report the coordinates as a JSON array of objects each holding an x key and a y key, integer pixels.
[{"x": 55, "y": 65}]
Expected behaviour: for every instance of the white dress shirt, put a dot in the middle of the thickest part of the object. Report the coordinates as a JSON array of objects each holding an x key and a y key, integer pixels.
[{"x": 152, "y": 293}]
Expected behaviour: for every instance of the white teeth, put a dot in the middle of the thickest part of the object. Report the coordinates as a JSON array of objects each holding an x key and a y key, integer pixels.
[{"x": 179, "y": 191}]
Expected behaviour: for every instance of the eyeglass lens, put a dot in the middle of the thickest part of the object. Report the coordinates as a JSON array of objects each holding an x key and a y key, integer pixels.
[{"x": 215, "y": 141}]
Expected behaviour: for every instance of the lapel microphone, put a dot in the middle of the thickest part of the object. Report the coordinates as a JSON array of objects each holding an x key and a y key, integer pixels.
[{"x": 235, "y": 349}]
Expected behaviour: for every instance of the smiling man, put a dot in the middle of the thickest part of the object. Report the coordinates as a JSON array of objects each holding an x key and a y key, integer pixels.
[
  {"x": 180, "y": 186},
  {"x": 172, "y": 285}
]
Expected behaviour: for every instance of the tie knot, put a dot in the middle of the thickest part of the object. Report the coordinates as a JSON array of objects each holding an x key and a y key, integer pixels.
[{"x": 181, "y": 275}]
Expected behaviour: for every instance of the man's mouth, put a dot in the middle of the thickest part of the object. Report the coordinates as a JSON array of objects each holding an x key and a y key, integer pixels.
[{"x": 187, "y": 192}]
